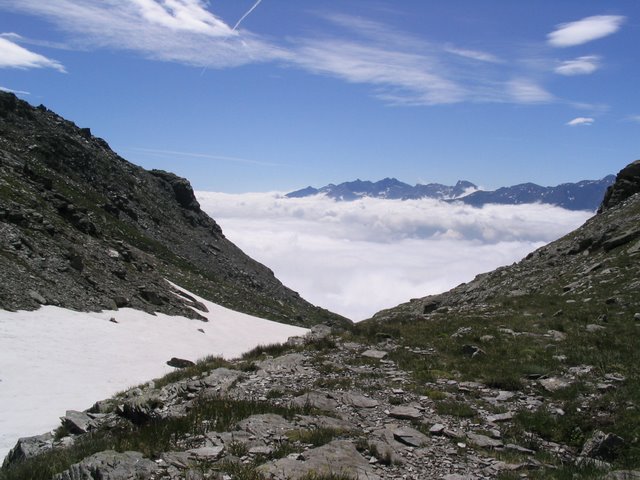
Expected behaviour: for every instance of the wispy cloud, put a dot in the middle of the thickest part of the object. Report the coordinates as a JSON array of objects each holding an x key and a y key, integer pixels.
[
  {"x": 523, "y": 90},
  {"x": 581, "y": 121},
  {"x": 382, "y": 251},
  {"x": 473, "y": 54},
  {"x": 634, "y": 118},
  {"x": 579, "y": 66},
  {"x": 181, "y": 31},
  {"x": 187, "y": 15},
  {"x": 585, "y": 30},
  {"x": 13, "y": 55},
  {"x": 398, "y": 67},
  {"x": 17, "y": 92},
  {"x": 205, "y": 156}
]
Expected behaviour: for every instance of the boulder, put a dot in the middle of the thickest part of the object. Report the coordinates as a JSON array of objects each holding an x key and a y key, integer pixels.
[
  {"x": 28, "y": 447},
  {"x": 627, "y": 184},
  {"x": 77, "y": 422},
  {"x": 110, "y": 465},
  {"x": 405, "y": 413},
  {"x": 180, "y": 363},
  {"x": 410, "y": 436},
  {"x": 319, "y": 400},
  {"x": 482, "y": 441},
  {"x": 604, "y": 446},
  {"x": 338, "y": 457}
]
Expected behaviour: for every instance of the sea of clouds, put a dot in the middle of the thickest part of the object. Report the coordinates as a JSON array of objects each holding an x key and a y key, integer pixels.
[{"x": 356, "y": 258}]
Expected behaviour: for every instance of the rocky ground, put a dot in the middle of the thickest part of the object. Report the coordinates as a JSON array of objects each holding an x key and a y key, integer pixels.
[{"x": 321, "y": 407}]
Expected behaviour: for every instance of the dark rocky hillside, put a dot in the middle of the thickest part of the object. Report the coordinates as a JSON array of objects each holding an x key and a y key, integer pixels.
[
  {"x": 82, "y": 228},
  {"x": 530, "y": 371}
]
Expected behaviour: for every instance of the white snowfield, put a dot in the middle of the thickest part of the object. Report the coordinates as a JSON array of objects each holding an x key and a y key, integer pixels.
[{"x": 53, "y": 359}]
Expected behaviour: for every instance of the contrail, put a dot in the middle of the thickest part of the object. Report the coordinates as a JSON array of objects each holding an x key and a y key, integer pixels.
[{"x": 246, "y": 15}]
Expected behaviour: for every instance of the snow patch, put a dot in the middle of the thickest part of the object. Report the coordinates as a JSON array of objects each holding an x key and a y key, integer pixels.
[{"x": 54, "y": 359}]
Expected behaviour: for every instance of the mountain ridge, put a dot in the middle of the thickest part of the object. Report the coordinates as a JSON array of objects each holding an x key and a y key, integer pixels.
[
  {"x": 83, "y": 228},
  {"x": 582, "y": 195}
]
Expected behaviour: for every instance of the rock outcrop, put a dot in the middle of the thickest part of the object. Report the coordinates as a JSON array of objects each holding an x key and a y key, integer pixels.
[{"x": 82, "y": 228}]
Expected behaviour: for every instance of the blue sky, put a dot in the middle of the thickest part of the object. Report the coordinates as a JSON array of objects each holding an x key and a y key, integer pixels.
[{"x": 310, "y": 92}]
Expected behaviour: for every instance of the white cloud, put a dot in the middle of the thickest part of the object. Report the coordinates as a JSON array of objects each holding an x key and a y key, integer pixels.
[
  {"x": 634, "y": 118},
  {"x": 17, "y": 92},
  {"x": 585, "y": 121},
  {"x": 181, "y": 31},
  {"x": 402, "y": 77},
  {"x": 523, "y": 90},
  {"x": 189, "y": 15},
  {"x": 473, "y": 54},
  {"x": 13, "y": 55},
  {"x": 400, "y": 69},
  {"x": 579, "y": 66},
  {"x": 357, "y": 258},
  {"x": 585, "y": 30}
]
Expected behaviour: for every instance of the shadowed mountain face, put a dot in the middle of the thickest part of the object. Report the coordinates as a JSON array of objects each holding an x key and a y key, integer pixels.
[
  {"x": 83, "y": 228},
  {"x": 584, "y": 195}
]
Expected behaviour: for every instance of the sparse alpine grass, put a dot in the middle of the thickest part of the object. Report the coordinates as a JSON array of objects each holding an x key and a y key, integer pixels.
[{"x": 211, "y": 414}]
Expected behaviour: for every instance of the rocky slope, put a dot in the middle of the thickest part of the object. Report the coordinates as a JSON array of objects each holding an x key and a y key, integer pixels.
[
  {"x": 82, "y": 228},
  {"x": 530, "y": 371},
  {"x": 584, "y": 195}
]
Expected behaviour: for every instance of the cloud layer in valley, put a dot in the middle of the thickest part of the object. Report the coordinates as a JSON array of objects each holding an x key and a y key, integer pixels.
[{"x": 356, "y": 258}]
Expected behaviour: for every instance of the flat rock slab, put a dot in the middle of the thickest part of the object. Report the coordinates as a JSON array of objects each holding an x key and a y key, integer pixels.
[
  {"x": 206, "y": 453},
  {"x": 554, "y": 384},
  {"x": 410, "y": 436},
  {"x": 376, "y": 354},
  {"x": 500, "y": 417},
  {"x": 110, "y": 465},
  {"x": 290, "y": 363},
  {"x": 358, "y": 401},
  {"x": 482, "y": 441},
  {"x": 221, "y": 379},
  {"x": 77, "y": 422},
  {"x": 336, "y": 457},
  {"x": 28, "y": 447},
  {"x": 266, "y": 425},
  {"x": 405, "y": 413},
  {"x": 319, "y": 400}
]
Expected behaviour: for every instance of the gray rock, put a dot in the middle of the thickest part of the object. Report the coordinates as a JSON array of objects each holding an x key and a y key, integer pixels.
[
  {"x": 500, "y": 417},
  {"x": 319, "y": 400},
  {"x": 180, "y": 363},
  {"x": 110, "y": 465},
  {"x": 337, "y": 457},
  {"x": 221, "y": 379},
  {"x": 410, "y": 436},
  {"x": 77, "y": 422},
  {"x": 28, "y": 447},
  {"x": 206, "y": 453},
  {"x": 602, "y": 445},
  {"x": 291, "y": 363},
  {"x": 266, "y": 425},
  {"x": 405, "y": 413},
  {"x": 358, "y": 401},
  {"x": 623, "y": 475},
  {"x": 375, "y": 354},
  {"x": 37, "y": 297},
  {"x": 437, "y": 429},
  {"x": 594, "y": 328},
  {"x": 482, "y": 441},
  {"x": 554, "y": 384}
]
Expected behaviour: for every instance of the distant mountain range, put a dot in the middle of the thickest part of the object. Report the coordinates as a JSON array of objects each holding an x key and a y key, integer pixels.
[{"x": 583, "y": 195}]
